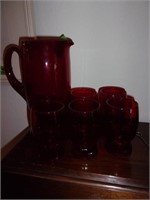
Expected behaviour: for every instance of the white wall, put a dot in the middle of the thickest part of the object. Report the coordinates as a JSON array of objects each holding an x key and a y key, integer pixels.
[
  {"x": 13, "y": 25},
  {"x": 13, "y": 107},
  {"x": 111, "y": 42},
  {"x": 13, "y": 113}
]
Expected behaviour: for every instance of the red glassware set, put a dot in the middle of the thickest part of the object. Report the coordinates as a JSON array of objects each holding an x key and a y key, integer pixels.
[{"x": 52, "y": 103}]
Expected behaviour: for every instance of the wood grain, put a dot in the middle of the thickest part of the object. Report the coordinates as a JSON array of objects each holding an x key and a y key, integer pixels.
[{"x": 105, "y": 176}]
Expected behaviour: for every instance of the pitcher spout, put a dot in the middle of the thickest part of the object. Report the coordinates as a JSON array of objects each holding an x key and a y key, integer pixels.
[
  {"x": 70, "y": 42},
  {"x": 67, "y": 39}
]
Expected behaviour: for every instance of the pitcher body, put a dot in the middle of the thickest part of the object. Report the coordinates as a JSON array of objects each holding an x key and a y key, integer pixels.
[{"x": 44, "y": 66}]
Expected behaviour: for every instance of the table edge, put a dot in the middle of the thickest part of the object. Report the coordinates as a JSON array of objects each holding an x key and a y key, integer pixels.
[{"x": 10, "y": 145}]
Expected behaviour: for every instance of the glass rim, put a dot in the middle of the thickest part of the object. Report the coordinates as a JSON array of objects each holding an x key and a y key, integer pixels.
[
  {"x": 122, "y": 107},
  {"x": 77, "y": 90},
  {"x": 60, "y": 107},
  {"x": 40, "y": 38},
  {"x": 97, "y": 106},
  {"x": 104, "y": 89}
]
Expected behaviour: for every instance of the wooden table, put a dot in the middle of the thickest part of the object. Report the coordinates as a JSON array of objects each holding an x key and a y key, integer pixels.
[{"x": 105, "y": 176}]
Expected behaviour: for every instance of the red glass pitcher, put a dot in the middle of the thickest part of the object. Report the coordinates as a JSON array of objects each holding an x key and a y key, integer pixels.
[{"x": 44, "y": 66}]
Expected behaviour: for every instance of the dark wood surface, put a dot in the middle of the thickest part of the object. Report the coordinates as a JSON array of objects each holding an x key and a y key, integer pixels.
[{"x": 105, "y": 176}]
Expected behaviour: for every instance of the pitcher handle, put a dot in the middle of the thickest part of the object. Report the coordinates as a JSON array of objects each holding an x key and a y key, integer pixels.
[{"x": 7, "y": 57}]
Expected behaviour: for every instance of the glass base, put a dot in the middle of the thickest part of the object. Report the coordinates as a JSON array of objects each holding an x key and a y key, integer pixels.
[
  {"x": 111, "y": 147},
  {"x": 48, "y": 154},
  {"x": 84, "y": 153}
]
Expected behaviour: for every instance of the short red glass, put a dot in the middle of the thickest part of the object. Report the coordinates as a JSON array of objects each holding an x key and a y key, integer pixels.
[
  {"x": 46, "y": 122},
  {"x": 84, "y": 93},
  {"x": 106, "y": 92},
  {"x": 83, "y": 114},
  {"x": 123, "y": 124}
]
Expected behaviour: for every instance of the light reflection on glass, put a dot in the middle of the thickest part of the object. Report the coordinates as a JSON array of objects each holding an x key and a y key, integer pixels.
[
  {"x": 46, "y": 64},
  {"x": 84, "y": 166}
]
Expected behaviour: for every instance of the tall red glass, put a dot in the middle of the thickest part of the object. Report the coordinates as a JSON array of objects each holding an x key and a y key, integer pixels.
[
  {"x": 46, "y": 125},
  {"x": 83, "y": 115},
  {"x": 123, "y": 123}
]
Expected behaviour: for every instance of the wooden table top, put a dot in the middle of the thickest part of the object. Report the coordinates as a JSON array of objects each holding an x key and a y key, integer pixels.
[{"x": 106, "y": 169}]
